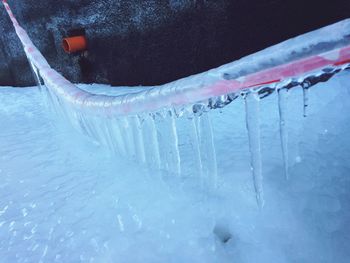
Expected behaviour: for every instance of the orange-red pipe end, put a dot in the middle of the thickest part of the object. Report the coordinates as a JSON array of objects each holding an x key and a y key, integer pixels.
[{"x": 74, "y": 44}]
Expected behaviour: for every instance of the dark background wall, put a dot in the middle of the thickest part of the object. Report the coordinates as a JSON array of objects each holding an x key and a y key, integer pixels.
[{"x": 148, "y": 42}]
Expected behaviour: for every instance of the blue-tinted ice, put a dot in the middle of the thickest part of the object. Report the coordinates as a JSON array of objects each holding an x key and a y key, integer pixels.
[{"x": 187, "y": 194}]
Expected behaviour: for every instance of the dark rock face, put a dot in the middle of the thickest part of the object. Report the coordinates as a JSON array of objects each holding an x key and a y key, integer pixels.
[{"x": 153, "y": 42}]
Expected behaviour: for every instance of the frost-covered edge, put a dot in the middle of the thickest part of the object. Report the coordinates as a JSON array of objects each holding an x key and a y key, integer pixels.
[{"x": 272, "y": 65}]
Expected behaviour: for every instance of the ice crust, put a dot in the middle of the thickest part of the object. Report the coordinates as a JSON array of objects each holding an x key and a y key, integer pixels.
[{"x": 65, "y": 199}]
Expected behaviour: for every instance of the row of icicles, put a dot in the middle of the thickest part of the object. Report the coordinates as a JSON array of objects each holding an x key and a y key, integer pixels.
[{"x": 154, "y": 139}]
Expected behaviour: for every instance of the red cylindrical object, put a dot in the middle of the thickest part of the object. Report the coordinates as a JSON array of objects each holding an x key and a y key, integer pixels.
[{"x": 74, "y": 44}]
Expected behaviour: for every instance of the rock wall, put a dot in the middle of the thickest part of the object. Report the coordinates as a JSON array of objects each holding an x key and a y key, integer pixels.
[{"x": 151, "y": 42}]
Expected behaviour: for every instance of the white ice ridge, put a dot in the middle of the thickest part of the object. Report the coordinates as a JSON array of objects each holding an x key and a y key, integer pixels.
[
  {"x": 148, "y": 125},
  {"x": 226, "y": 79}
]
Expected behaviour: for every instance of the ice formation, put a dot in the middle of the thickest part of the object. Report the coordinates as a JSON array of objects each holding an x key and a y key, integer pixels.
[
  {"x": 305, "y": 61},
  {"x": 188, "y": 129},
  {"x": 78, "y": 202}
]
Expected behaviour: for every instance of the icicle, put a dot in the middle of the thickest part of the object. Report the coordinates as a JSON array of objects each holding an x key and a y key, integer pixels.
[
  {"x": 305, "y": 99},
  {"x": 283, "y": 110},
  {"x": 174, "y": 142},
  {"x": 194, "y": 139},
  {"x": 56, "y": 105},
  {"x": 104, "y": 137},
  {"x": 253, "y": 127},
  {"x": 126, "y": 133},
  {"x": 138, "y": 139},
  {"x": 113, "y": 140},
  {"x": 99, "y": 123},
  {"x": 87, "y": 127},
  {"x": 208, "y": 153},
  {"x": 35, "y": 74},
  {"x": 151, "y": 142},
  {"x": 168, "y": 143},
  {"x": 109, "y": 136},
  {"x": 162, "y": 135},
  {"x": 91, "y": 125},
  {"x": 115, "y": 130},
  {"x": 51, "y": 101}
]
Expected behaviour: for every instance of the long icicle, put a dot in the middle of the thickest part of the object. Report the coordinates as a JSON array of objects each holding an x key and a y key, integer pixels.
[
  {"x": 208, "y": 150},
  {"x": 253, "y": 128},
  {"x": 114, "y": 131},
  {"x": 151, "y": 143},
  {"x": 283, "y": 110},
  {"x": 36, "y": 75},
  {"x": 174, "y": 147},
  {"x": 194, "y": 135},
  {"x": 168, "y": 142},
  {"x": 305, "y": 100},
  {"x": 124, "y": 127},
  {"x": 138, "y": 139}
]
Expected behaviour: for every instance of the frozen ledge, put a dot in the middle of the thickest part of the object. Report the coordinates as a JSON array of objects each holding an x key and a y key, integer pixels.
[{"x": 326, "y": 49}]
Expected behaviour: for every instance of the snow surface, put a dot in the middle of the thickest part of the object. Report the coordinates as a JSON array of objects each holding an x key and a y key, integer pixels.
[{"x": 66, "y": 199}]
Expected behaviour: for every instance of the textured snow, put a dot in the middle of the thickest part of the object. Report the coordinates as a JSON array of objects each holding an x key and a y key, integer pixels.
[{"x": 66, "y": 199}]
